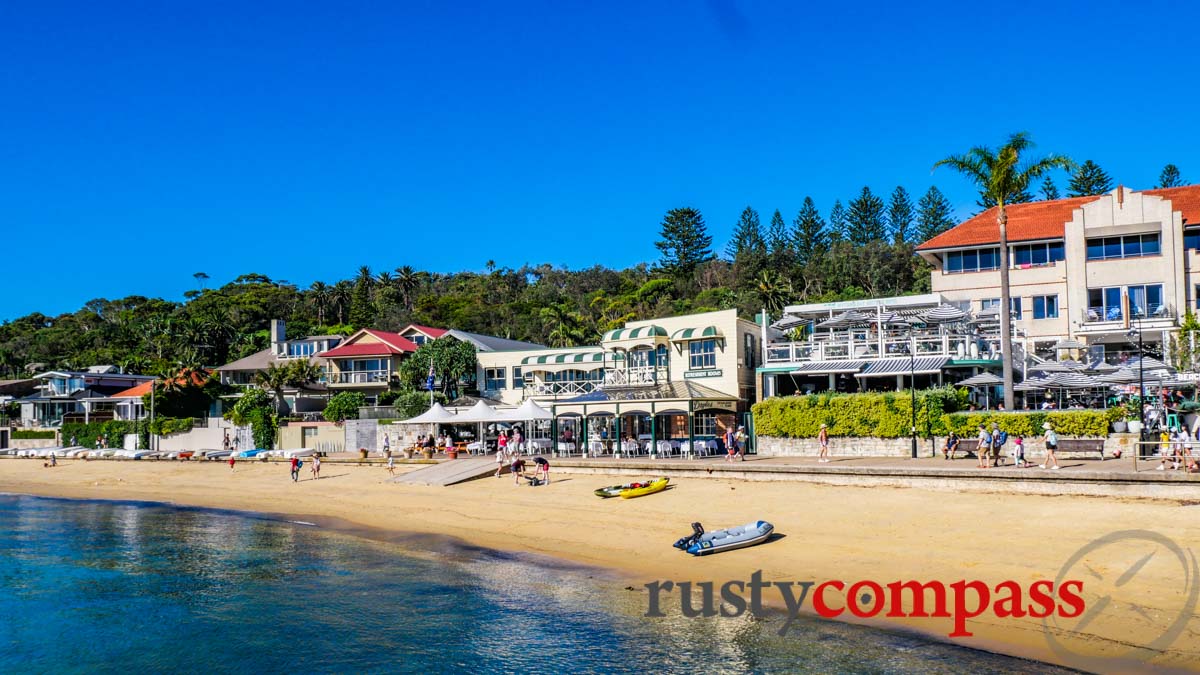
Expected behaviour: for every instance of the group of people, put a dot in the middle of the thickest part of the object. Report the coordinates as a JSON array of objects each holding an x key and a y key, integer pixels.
[
  {"x": 1175, "y": 449},
  {"x": 509, "y": 454},
  {"x": 991, "y": 442},
  {"x": 735, "y": 443}
]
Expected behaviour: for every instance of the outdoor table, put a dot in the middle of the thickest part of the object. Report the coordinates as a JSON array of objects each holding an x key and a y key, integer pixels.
[
  {"x": 565, "y": 448},
  {"x": 476, "y": 447}
]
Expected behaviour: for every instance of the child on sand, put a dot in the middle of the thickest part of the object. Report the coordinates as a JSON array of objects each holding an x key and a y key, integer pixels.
[
  {"x": 391, "y": 466},
  {"x": 232, "y": 461},
  {"x": 501, "y": 459},
  {"x": 316, "y": 467},
  {"x": 517, "y": 469}
]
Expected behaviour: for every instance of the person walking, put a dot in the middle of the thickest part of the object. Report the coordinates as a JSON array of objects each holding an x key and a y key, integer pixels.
[
  {"x": 1018, "y": 453},
  {"x": 232, "y": 462},
  {"x": 295, "y": 469},
  {"x": 391, "y": 466},
  {"x": 501, "y": 460},
  {"x": 316, "y": 467},
  {"x": 999, "y": 438},
  {"x": 730, "y": 443},
  {"x": 225, "y": 442},
  {"x": 823, "y": 441},
  {"x": 1051, "y": 446},
  {"x": 739, "y": 439},
  {"x": 387, "y": 445},
  {"x": 983, "y": 447}
]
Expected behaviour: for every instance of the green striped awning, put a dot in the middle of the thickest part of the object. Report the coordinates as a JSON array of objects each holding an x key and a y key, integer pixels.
[
  {"x": 567, "y": 357},
  {"x": 635, "y": 333},
  {"x": 696, "y": 333}
]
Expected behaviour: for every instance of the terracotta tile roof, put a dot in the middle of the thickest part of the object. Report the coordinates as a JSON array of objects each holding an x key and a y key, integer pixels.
[
  {"x": 390, "y": 344},
  {"x": 1047, "y": 219},
  {"x": 434, "y": 333},
  {"x": 198, "y": 379}
]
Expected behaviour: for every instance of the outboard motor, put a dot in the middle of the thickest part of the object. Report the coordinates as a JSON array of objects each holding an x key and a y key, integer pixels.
[{"x": 697, "y": 532}]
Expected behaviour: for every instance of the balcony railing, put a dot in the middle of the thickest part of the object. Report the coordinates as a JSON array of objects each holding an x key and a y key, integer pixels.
[
  {"x": 952, "y": 346},
  {"x": 1116, "y": 313},
  {"x": 556, "y": 389},
  {"x": 638, "y": 376},
  {"x": 359, "y": 377}
]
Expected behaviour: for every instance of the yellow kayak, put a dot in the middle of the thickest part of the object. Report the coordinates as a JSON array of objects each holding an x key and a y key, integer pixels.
[{"x": 640, "y": 489}]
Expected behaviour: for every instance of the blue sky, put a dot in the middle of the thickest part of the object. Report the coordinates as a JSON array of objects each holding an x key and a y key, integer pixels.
[{"x": 143, "y": 142}]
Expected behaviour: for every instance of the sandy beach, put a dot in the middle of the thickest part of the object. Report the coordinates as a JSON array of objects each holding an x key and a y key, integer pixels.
[{"x": 1147, "y": 595}]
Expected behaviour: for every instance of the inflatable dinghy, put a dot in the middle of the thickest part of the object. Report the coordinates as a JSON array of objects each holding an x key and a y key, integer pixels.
[
  {"x": 703, "y": 543},
  {"x": 633, "y": 489}
]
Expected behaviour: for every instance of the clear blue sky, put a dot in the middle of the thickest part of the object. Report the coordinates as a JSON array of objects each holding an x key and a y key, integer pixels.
[{"x": 143, "y": 142}]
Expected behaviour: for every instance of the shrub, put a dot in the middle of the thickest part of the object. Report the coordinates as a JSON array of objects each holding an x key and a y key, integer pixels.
[
  {"x": 887, "y": 415},
  {"x": 1029, "y": 424},
  {"x": 29, "y": 434},
  {"x": 112, "y": 431},
  {"x": 256, "y": 409},
  {"x": 344, "y": 406},
  {"x": 165, "y": 426}
]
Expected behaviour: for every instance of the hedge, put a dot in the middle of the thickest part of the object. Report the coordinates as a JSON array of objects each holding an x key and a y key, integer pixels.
[
  {"x": 113, "y": 431},
  {"x": 888, "y": 415},
  {"x": 882, "y": 415},
  {"x": 165, "y": 426},
  {"x": 28, "y": 434}
]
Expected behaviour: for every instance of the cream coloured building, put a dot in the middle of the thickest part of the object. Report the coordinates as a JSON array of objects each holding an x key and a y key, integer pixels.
[
  {"x": 1087, "y": 269},
  {"x": 682, "y": 377}
]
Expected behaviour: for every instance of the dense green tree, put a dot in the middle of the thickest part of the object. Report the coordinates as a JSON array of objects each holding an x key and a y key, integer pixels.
[
  {"x": 452, "y": 360},
  {"x": 933, "y": 214},
  {"x": 900, "y": 216},
  {"x": 865, "y": 218},
  {"x": 837, "y": 221},
  {"x": 778, "y": 238},
  {"x": 362, "y": 310},
  {"x": 809, "y": 233},
  {"x": 684, "y": 243},
  {"x": 747, "y": 236},
  {"x": 256, "y": 410},
  {"x": 773, "y": 291},
  {"x": 1169, "y": 177},
  {"x": 1049, "y": 189},
  {"x": 344, "y": 406},
  {"x": 1003, "y": 175},
  {"x": 1088, "y": 180}
]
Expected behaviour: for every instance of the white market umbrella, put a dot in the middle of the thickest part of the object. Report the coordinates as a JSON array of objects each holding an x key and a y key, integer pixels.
[
  {"x": 530, "y": 410},
  {"x": 480, "y": 412},
  {"x": 437, "y": 414}
]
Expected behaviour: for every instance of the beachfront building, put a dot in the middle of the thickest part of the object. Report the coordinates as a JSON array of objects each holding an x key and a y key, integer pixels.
[
  {"x": 879, "y": 344},
  {"x": 82, "y": 396},
  {"x": 675, "y": 379},
  {"x": 1085, "y": 269},
  {"x": 282, "y": 351}
]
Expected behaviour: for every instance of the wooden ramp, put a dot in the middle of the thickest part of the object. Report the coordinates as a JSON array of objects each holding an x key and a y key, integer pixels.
[{"x": 450, "y": 472}]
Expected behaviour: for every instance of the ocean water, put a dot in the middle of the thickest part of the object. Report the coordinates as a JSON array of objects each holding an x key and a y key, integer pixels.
[{"x": 117, "y": 587}]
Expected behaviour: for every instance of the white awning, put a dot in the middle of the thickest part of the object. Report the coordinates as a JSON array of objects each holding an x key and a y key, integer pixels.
[
  {"x": 826, "y": 367},
  {"x": 436, "y": 414},
  {"x": 480, "y": 412}
]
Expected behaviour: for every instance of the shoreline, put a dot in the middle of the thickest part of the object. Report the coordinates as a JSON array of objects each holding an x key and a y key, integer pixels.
[{"x": 831, "y": 532}]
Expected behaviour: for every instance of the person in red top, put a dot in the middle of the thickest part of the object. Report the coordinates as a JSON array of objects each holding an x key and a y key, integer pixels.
[
  {"x": 231, "y": 462},
  {"x": 295, "y": 469}
]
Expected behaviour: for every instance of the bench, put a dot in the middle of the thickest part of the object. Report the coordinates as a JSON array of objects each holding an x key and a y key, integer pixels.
[
  {"x": 967, "y": 446},
  {"x": 1081, "y": 445}
]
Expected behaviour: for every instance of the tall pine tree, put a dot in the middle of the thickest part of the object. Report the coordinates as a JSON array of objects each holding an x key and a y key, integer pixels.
[
  {"x": 837, "y": 221},
  {"x": 1169, "y": 177},
  {"x": 1089, "y": 180},
  {"x": 685, "y": 243},
  {"x": 933, "y": 215},
  {"x": 1049, "y": 189},
  {"x": 747, "y": 236},
  {"x": 777, "y": 236},
  {"x": 900, "y": 215},
  {"x": 808, "y": 233},
  {"x": 865, "y": 218}
]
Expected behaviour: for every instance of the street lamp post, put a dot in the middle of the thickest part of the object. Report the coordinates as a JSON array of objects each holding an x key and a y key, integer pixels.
[
  {"x": 1141, "y": 390},
  {"x": 912, "y": 385}
]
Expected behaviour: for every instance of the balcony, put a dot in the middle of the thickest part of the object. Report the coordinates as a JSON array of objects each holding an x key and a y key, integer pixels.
[
  {"x": 890, "y": 346},
  {"x": 537, "y": 389},
  {"x": 1116, "y": 314},
  {"x": 359, "y": 377},
  {"x": 637, "y": 376}
]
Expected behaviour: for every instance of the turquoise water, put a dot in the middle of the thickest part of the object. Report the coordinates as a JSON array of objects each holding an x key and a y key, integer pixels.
[{"x": 131, "y": 588}]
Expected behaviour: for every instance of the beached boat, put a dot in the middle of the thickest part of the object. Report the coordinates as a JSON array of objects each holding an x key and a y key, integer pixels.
[
  {"x": 630, "y": 490},
  {"x": 186, "y": 454},
  {"x": 704, "y": 543},
  {"x": 299, "y": 452},
  {"x": 217, "y": 454}
]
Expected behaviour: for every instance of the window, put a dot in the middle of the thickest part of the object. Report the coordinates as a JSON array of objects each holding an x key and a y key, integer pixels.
[
  {"x": 518, "y": 378},
  {"x": 494, "y": 379},
  {"x": 703, "y": 354},
  {"x": 1191, "y": 239},
  {"x": 361, "y": 365},
  {"x": 1014, "y": 303},
  {"x": 1196, "y": 295},
  {"x": 751, "y": 352},
  {"x": 1028, "y": 255},
  {"x": 972, "y": 261},
  {"x": 1145, "y": 301},
  {"x": 296, "y": 349},
  {"x": 704, "y": 424},
  {"x": 1128, "y": 246},
  {"x": 1045, "y": 306},
  {"x": 417, "y": 339}
]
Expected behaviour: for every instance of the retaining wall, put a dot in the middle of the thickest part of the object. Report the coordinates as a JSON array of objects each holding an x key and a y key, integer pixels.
[{"x": 771, "y": 446}]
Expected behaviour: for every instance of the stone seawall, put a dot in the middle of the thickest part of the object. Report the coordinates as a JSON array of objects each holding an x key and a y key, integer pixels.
[{"x": 771, "y": 446}]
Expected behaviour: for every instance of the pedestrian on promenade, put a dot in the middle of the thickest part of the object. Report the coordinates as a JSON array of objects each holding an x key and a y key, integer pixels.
[
  {"x": 1051, "y": 446},
  {"x": 225, "y": 442},
  {"x": 1018, "y": 453},
  {"x": 387, "y": 445},
  {"x": 730, "y": 443},
  {"x": 823, "y": 440},
  {"x": 295, "y": 469},
  {"x": 983, "y": 447},
  {"x": 739, "y": 439}
]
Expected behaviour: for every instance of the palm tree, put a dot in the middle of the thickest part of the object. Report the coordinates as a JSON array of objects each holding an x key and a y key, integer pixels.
[
  {"x": 773, "y": 291},
  {"x": 340, "y": 297},
  {"x": 566, "y": 326},
  {"x": 407, "y": 280},
  {"x": 1001, "y": 177},
  {"x": 275, "y": 379},
  {"x": 319, "y": 294}
]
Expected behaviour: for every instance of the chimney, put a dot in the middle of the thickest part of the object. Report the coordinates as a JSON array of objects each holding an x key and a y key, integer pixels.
[
  {"x": 278, "y": 336},
  {"x": 1120, "y": 196}
]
